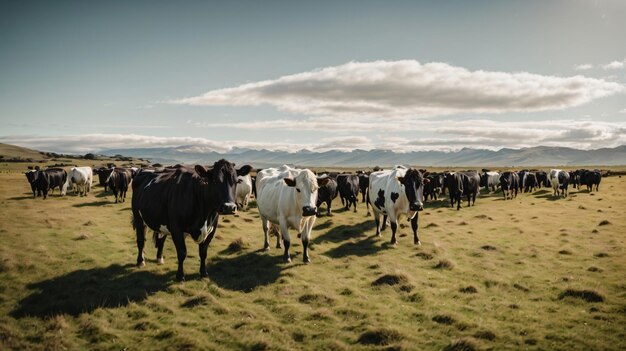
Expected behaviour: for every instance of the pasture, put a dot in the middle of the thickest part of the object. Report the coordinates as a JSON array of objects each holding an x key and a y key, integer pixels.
[{"x": 530, "y": 273}]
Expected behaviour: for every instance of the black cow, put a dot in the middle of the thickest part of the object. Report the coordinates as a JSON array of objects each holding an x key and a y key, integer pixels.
[
  {"x": 253, "y": 180},
  {"x": 348, "y": 188},
  {"x": 364, "y": 183},
  {"x": 542, "y": 179},
  {"x": 50, "y": 179},
  {"x": 32, "y": 176},
  {"x": 103, "y": 176},
  {"x": 471, "y": 186},
  {"x": 522, "y": 180},
  {"x": 531, "y": 182},
  {"x": 591, "y": 178},
  {"x": 433, "y": 187},
  {"x": 509, "y": 184},
  {"x": 118, "y": 181},
  {"x": 326, "y": 194},
  {"x": 453, "y": 181},
  {"x": 183, "y": 201}
]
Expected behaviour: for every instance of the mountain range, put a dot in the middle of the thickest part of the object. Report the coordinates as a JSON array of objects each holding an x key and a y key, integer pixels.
[{"x": 533, "y": 156}]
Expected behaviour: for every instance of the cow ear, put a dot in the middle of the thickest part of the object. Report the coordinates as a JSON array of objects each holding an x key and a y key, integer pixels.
[
  {"x": 322, "y": 181},
  {"x": 244, "y": 170},
  {"x": 202, "y": 172},
  {"x": 401, "y": 179},
  {"x": 290, "y": 182},
  {"x": 425, "y": 173},
  {"x": 426, "y": 180}
]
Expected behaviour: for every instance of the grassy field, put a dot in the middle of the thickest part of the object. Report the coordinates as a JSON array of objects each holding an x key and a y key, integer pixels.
[{"x": 532, "y": 273}]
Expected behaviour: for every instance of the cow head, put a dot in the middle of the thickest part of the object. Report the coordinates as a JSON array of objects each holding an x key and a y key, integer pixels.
[
  {"x": 306, "y": 186},
  {"x": 220, "y": 182},
  {"x": 413, "y": 182}
]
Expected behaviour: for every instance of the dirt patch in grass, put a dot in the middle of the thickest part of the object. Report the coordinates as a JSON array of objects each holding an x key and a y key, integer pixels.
[
  {"x": 391, "y": 279},
  {"x": 604, "y": 222},
  {"x": 381, "y": 337},
  {"x": 237, "y": 245},
  {"x": 444, "y": 319},
  {"x": 565, "y": 252},
  {"x": 482, "y": 216},
  {"x": 316, "y": 300},
  {"x": 469, "y": 290},
  {"x": 601, "y": 254},
  {"x": 461, "y": 345},
  {"x": 488, "y": 248},
  {"x": 463, "y": 223},
  {"x": 431, "y": 225},
  {"x": 586, "y": 295},
  {"x": 82, "y": 236},
  {"x": 485, "y": 335},
  {"x": 521, "y": 287},
  {"x": 444, "y": 264},
  {"x": 594, "y": 269},
  {"x": 425, "y": 255}
]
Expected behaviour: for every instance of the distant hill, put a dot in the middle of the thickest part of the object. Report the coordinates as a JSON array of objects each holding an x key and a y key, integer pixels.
[
  {"x": 14, "y": 153},
  {"x": 535, "y": 156},
  {"x": 18, "y": 155}
]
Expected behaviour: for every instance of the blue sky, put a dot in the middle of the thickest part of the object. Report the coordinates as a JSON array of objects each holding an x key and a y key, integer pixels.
[{"x": 81, "y": 76}]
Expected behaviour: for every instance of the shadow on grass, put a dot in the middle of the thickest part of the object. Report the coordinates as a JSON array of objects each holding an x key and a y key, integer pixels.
[
  {"x": 365, "y": 247},
  {"x": 104, "y": 194},
  {"x": 343, "y": 232},
  {"x": 549, "y": 197},
  {"x": 19, "y": 198},
  {"x": 85, "y": 290},
  {"x": 94, "y": 203},
  {"x": 245, "y": 272},
  {"x": 436, "y": 204}
]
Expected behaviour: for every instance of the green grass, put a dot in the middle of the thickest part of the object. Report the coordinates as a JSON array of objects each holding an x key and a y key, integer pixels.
[{"x": 532, "y": 273}]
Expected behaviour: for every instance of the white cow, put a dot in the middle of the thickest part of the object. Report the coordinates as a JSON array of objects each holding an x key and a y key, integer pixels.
[
  {"x": 80, "y": 179},
  {"x": 286, "y": 197},
  {"x": 490, "y": 180},
  {"x": 395, "y": 192},
  {"x": 560, "y": 182},
  {"x": 244, "y": 191}
]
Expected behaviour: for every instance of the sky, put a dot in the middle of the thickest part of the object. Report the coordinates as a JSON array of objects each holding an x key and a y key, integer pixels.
[{"x": 85, "y": 76}]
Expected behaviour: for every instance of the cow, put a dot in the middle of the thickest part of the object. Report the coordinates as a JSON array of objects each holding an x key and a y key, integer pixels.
[
  {"x": 50, "y": 179},
  {"x": 395, "y": 192},
  {"x": 348, "y": 188},
  {"x": 244, "y": 188},
  {"x": 522, "y": 180},
  {"x": 81, "y": 179},
  {"x": 531, "y": 182},
  {"x": 591, "y": 178},
  {"x": 31, "y": 176},
  {"x": 453, "y": 181},
  {"x": 253, "y": 181},
  {"x": 509, "y": 184},
  {"x": 574, "y": 178},
  {"x": 118, "y": 181},
  {"x": 103, "y": 176},
  {"x": 180, "y": 202},
  {"x": 490, "y": 180},
  {"x": 326, "y": 194},
  {"x": 471, "y": 186},
  {"x": 433, "y": 187},
  {"x": 560, "y": 182},
  {"x": 542, "y": 179},
  {"x": 287, "y": 198},
  {"x": 364, "y": 182}
]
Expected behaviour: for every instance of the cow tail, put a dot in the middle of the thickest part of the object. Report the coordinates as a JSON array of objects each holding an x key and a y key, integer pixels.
[{"x": 66, "y": 182}]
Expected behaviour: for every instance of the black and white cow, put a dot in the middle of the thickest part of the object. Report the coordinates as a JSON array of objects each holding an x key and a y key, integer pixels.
[
  {"x": 364, "y": 182},
  {"x": 490, "y": 180},
  {"x": 396, "y": 192},
  {"x": 31, "y": 176},
  {"x": 50, "y": 179},
  {"x": 103, "y": 176},
  {"x": 433, "y": 187},
  {"x": 560, "y": 182},
  {"x": 183, "y": 202},
  {"x": 348, "y": 188},
  {"x": 522, "y": 180},
  {"x": 326, "y": 193},
  {"x": 509, "y": 184}
]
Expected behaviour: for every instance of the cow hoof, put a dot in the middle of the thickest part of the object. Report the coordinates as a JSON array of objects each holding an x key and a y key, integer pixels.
[
  {"x": 204, "y": 274},
  {"x": 418, "y": 243},
  {"x": 307, "y": 261},
  {"x": 180, "y": 278},
  {"x": 394, "y": 243},
  {"x": 368, "y": 214},
  {"x": 160, "y": 261},
  {"x": 141, "y": 264},
  {"x": 287, "y": 259},
  {"x": 266, "y": 247}
]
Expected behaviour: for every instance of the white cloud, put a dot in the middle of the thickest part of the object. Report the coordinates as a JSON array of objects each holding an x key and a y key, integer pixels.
[
  {"x": 408, "y": 88},
  {"x": 614, "y": 65},
  {"x": 583, "y": 67},
  {"x": 622, "y": 110}
]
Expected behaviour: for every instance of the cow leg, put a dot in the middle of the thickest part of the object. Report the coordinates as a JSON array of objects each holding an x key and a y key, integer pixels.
[
  {"x": 202, "y": 250},
  {"x": 474, "y": 199},
  {"x": 416, "y": 239},
  {"x": 394, "y": 227},
  {"x": 458, "y": 202},
  {"x": 284, "y": 230},
  {"x": 377, "y": 219},
  {"x": 181, "y": 253},
  {"x": 328, "y": 210},
  {"x": 469, "y": 198},
  {"x": 160, "y": 243},
  {"x": 265, "y": 223},
  {"x": 354, "y": 203},
  {"x": 306, "y": 235},
  {"x": 384, "y": 226},
  {"x": 367, "y": 205},
  {"x": 278, "y": 239},
  {"x": 140, "y": 231}
]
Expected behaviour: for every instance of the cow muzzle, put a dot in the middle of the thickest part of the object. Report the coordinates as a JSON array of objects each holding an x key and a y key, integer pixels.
[
  {"x": 309, "y": 211},
  {"x": 228, "y": 208},
  {"x": 416, "y": 207}
]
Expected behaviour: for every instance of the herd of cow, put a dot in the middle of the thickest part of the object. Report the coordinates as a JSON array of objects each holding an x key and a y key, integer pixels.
[{"x": 182, "y": 200}]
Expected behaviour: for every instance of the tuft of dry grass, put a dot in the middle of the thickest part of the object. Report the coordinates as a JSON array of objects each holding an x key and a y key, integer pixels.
[
  {"x": 586, "y": 295},
  {"x": 463, "y": 344},
  {"x": 470, "y": 289},
  {"x": 391, "y": 279},
  {"x": 604, "y": 222},
  {"x": 444, "y": 264},
  {"x": 380, "y": 337}
]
